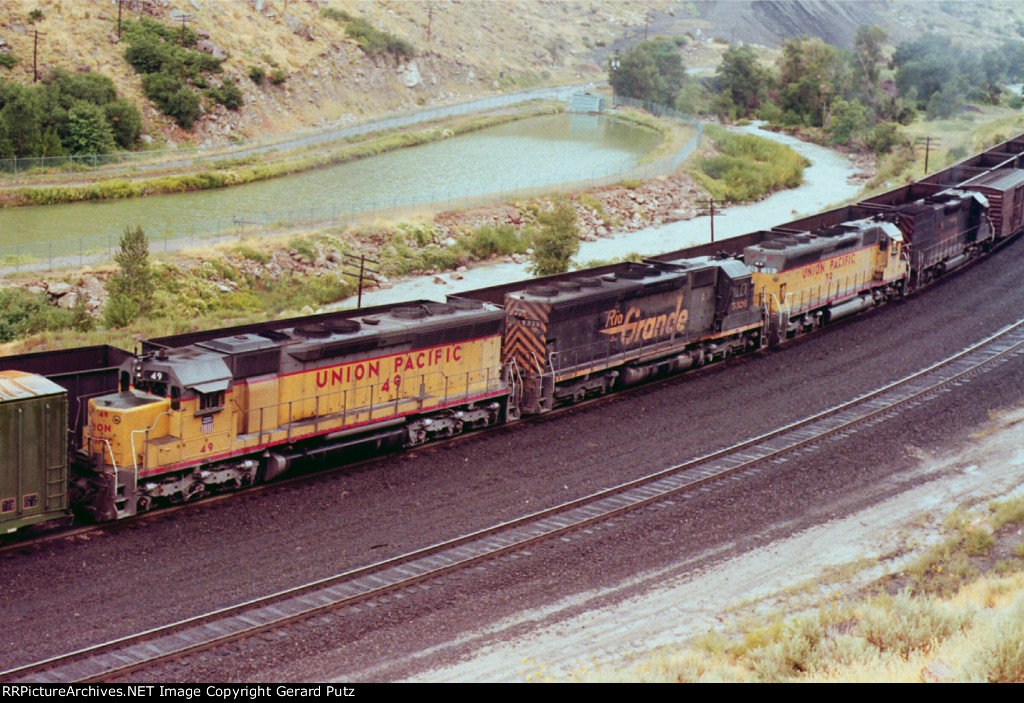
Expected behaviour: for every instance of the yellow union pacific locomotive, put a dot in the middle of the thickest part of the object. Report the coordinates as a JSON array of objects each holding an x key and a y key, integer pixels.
[
  {"x": 806, "y": 280},
  {"x": 228, "y": 411}
]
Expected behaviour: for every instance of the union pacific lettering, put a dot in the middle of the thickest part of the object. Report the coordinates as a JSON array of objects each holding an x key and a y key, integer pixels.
[
  {"x": 422, "y": 360},
  {"x": 633, "y": 326},
  {"x": 832, "y": 265}
]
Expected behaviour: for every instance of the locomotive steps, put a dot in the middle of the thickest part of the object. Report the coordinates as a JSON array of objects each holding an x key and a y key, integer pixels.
[{"x": 145, "y": 650}]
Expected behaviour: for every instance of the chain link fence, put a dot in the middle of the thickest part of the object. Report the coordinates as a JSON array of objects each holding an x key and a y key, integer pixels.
[
  {"x": 15, "y": 169},
  {"x": 101, "y": 248}
]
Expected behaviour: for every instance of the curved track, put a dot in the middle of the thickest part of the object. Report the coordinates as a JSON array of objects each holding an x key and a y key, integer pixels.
[{"x": 149, "y": 649}]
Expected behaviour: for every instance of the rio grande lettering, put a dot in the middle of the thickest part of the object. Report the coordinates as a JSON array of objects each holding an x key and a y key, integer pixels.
[{"x": 633, "y": 327}]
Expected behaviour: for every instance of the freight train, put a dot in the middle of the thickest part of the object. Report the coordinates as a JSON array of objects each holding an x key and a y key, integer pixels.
[{"x": 112, "y": 433}]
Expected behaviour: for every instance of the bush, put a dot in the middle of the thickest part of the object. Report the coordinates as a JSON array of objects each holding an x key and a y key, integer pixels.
[
  {"x": 884, "y": 138},
  {"x": 556, "y": 240},
  {"x": 748, "y": 168},
  {"x": 278, "y": 76},
  {"x": 23, "y": 313},
  {"x": 1000, "y": 658},
  {"x": 905, "y": 624},
  {"x": 229, "y": 94},
  {"x": 131, "y": 289},
  {"x": 495, "y": 240},
  {"x": 8, "y": 60},
  {"x": 173, "y": 98},
  {"x": 257, "y": 74}
]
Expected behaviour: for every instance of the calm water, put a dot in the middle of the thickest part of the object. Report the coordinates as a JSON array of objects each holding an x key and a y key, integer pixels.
[{"x": 527, "y": 153}]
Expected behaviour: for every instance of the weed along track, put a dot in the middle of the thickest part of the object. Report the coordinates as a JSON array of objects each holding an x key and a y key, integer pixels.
[{"x": 336, "y": 596}]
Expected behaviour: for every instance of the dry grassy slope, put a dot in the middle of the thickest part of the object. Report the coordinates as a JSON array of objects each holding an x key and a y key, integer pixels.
[{"x": 476, "y": 47}]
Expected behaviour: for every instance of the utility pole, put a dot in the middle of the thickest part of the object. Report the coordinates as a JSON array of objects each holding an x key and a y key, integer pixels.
[
  {"x": 710, "y": 203},
  {"x": 35, "y": 57},
  {"x": 184, "y": 18},
  {"x": 119, "y": 18},
  {"x": 351, "y": 261},
  {"x": 927, "y": 141}
]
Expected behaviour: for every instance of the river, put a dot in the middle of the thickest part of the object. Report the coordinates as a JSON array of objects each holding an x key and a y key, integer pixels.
[
  {"x": 825, "y": 184},
  {"x": 528, "y": 153}
]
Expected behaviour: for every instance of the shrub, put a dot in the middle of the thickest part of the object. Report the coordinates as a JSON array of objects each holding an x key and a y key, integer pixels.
[
  {"x": 257, "y": 74},
  {"x": 133, "y": 287},
  {"x": 556, "y": 240},
  {"x": 8, "y": 60},
  {"x": 905, "y": 624},
  {"x": 23, "y": 313},
  {"x": 884, "y": 138},
  {"x": 278, "y": 76},
  {"x": 748, "y": 168},
  {"x": 229, "y": 94},
  {"x": 1000, "y": 658},
  {"x": 495, "y": 240},
  {"x": 335, "y": 14}
]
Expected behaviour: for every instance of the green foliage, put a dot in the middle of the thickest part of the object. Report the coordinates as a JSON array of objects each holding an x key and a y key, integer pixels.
[
  {"x": 160, "y": 54},
  {"x": 848, "y": 119},
  {"x": 35, "y": 15},
  {"x": 125, "y": 122},
  {"x": 257, "y": 74},
  {"x": 741, "y": 82},
  {"x": 652, "y": 70},
  {"x": 132, "y": 288},
  {"x": 8, "y": 60},
  {"x": 229, "y": 94},
  {"x": 371, "y": 40},
  {"x": 810, "y": 76},
  {"x": 748, "y": 167},
  {"x": 495, "y": 240},
  {"x": 303, "y": 247},
  {"x": 905, "y": 624},
  {"x": 66, "y": 113},
  {"x": 556, "y": 240},
  {"x": 278, "y": 76},
  {"x": 173, "y": 97},
  {"x": 90, "y": 132},
  {"x": 23, "y": 313},
  {"x": 884, "y": 138},
  {"x": 335, "y": 14},
  {"x": 252, "y": 254}
]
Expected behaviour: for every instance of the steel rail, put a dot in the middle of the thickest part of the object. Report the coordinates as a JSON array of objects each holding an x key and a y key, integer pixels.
[{"x": 125, "y": 655}]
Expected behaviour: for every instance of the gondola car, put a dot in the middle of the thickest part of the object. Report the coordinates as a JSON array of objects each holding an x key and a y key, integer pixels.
[{"x": 33, "y": 451}]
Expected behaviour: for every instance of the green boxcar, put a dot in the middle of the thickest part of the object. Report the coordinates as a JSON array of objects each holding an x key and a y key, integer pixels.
[{"x": 33, "y": 450}]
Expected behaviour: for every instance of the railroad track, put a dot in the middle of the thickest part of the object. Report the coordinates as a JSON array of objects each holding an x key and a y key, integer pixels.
[{"x": 145, "y": 650}]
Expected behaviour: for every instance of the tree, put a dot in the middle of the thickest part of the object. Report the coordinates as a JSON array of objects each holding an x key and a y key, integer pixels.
[
  {"x": 810, "y": 74},
  {"x": 89, "y": 130},
  {"x": 132, "y": 288},
  {"x": 868, "y": 56},
  {"x": 741, "y": 80},
  {"x": 556, "y": 242},
  {"x": 652, "y": 70}
]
